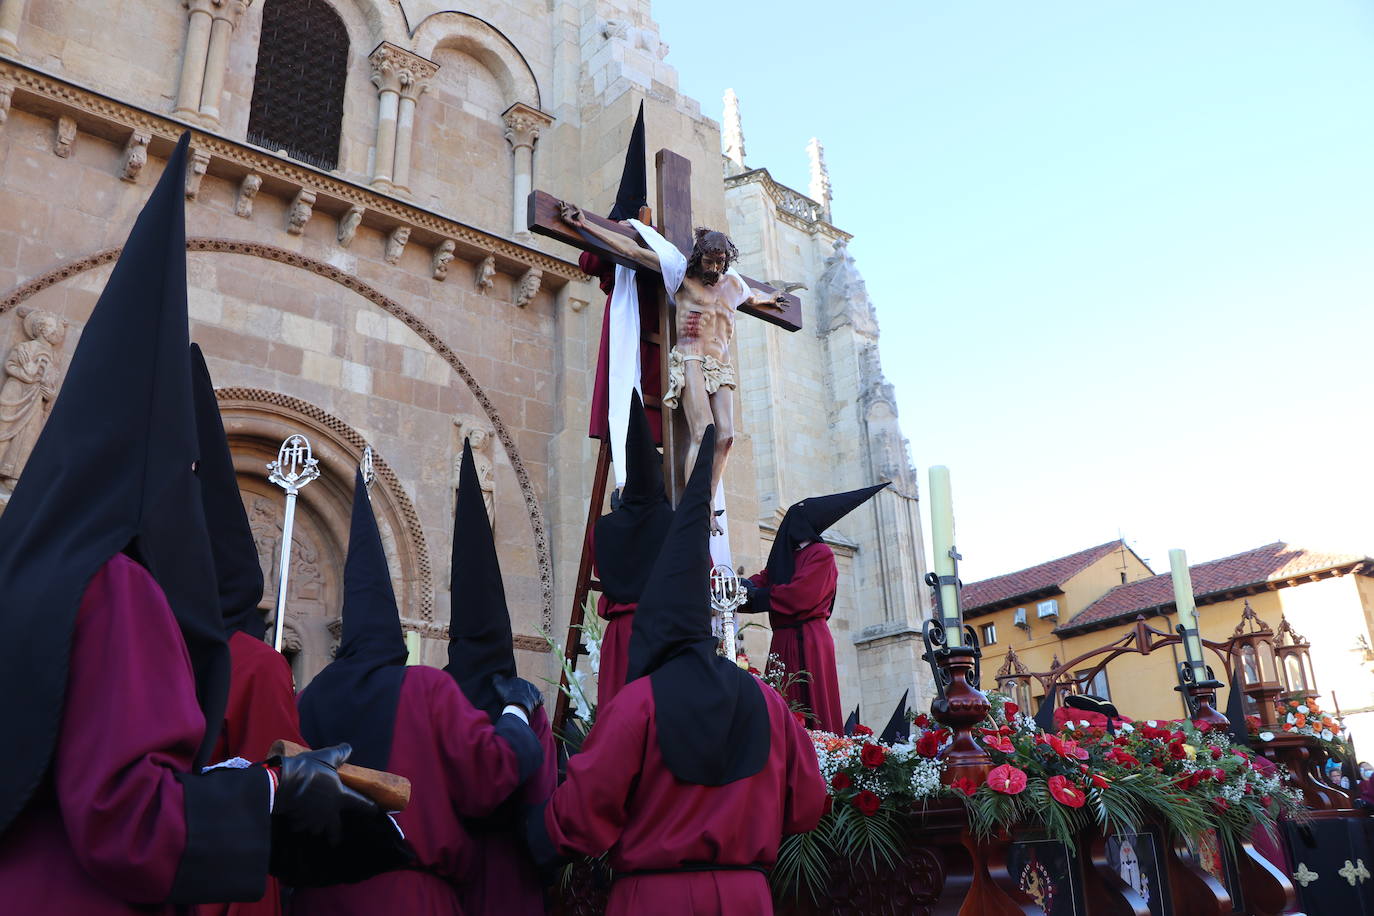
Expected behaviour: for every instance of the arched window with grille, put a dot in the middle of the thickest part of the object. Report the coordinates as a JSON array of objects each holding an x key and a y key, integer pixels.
[{"x": 298, "y": 92}]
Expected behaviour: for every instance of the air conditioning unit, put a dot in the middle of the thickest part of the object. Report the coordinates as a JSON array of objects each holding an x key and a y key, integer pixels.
[
  {"x": 1020, "y": 619},
  {"x": 1048, "y": 609}
]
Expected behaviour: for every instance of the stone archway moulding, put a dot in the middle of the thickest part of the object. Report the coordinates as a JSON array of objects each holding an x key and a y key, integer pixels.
[
  {"x": 483, "y": 41},
  {"x": 348, "y": 281}
]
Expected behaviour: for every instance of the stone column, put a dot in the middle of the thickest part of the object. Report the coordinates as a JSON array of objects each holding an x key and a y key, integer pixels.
[
  {"x": 400, "y": 78},
  {"x": 523, "y": 124},
  {"x": 226, "y": 16},
  {"x": 197, "y": 49},
  {"x": 11, "y": 15}
]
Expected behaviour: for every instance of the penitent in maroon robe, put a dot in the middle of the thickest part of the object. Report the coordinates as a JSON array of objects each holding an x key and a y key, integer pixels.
[
  {"x": 107, "y": 830},
  {"x": 261, "y": 709},
  {"x": 798, "y": 612},
  {"x": 620, "y": 795},
  {"x": 458, "y": 768},
  {"x": 503, "y": 880},
  {"x": 615, "y": 647}
]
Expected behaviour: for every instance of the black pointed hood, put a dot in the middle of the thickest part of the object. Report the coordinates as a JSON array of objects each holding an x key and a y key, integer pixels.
[
  {"x": 111, "y": 472},
  {"x": 231, "y": 538},
  {"x": 711, "y": 717},
  {"x": 627, "y": 539},
  {"x": 1044, "y": 716},
  {"x": 479, "y": 633},
  {"x": 634, "y": 180},
  {"x": 852, "y": 722},
  {"x": 1235, "y": 713},
  {"x": 807, "y": 521},
  {"x": 354, "y": 698},
  {"x": 898, "y": 728}
]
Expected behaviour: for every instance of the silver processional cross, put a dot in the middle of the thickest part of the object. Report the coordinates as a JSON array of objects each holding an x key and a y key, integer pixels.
[
  {"x": 726, "y": 596},
  {"x": 295, "y": 467}
]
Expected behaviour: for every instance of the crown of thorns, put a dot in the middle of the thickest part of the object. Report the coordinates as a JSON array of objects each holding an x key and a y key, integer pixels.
[{"x": 713, "y": 241}]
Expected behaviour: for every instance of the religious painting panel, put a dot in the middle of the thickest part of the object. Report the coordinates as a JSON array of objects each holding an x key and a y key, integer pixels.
[
  {"x": 1047, "y": 872},
  {"x": 1136, "y": 858},
  {"x": 1209, "y": 852}
]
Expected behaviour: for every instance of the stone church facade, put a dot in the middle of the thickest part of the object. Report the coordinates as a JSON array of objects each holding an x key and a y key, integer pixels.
[{"x": 360, "y": 271}]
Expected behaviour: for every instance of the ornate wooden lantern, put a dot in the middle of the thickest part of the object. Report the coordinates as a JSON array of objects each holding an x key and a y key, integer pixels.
[
  {"x": 1295, "y": 661},
  {"x": 1256, "y": 663},
  {"x": 1013, "y": 679}
]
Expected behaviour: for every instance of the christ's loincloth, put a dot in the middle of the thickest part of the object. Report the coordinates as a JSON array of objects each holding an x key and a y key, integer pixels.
[{"x": 717, "y": 374}]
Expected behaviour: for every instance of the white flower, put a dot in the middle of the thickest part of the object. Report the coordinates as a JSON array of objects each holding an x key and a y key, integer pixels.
[
  {"x": 594, "y": 654},
  {"x": 1326, "y": 734},
  {"x": 1126, "y": 727},
  {"x": 1303, "y": 709},
  {"x": 1292, "y": 719},
  {"x": 1070, "y": 726},
  {"x": 1266, "y": 736}
]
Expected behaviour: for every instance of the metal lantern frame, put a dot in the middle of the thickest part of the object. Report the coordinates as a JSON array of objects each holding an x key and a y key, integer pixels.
[{"x": 1295, "y": 661}]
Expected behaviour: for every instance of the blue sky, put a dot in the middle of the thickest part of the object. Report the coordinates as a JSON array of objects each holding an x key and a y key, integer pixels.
[{"x": 1122, "y": 253}]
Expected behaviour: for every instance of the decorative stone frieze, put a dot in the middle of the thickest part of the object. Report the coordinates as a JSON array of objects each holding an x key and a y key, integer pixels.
[
  {"x": 65, "y": 138},
  {"x": 302, "y": 206},
  {"x": 396, "y": 244},
  {"x": 195, "y": 172},
  {"x": 348, "y": 225},
  {"x": 443, "y": 256},
  {"x": 135, "y": 155},
  {"x": 248, "y": 189}
]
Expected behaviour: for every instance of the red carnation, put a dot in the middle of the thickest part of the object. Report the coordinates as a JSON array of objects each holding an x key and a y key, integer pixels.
[
  {"x": 1007, "y": 779},
  {"x": 998, "y": 743},
  {"x": 965, "y": 785},
  {"x": 923, "y": 721},
  {"x": 1202, "y": 725},
  {"x": 1216, "y": 753},
  {"x": 840, "y": 781},
  {"x": 928, "y": 745},
  {"x": 873, "y": 755},
  {"x": 1066, "y": 793},
  {"x": 1010, "y": 709},
  {"x": 867, "y": 803},
  {"x": 862, "y": 730}
]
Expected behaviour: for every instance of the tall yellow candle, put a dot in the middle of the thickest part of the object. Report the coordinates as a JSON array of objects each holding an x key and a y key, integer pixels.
[
  {"x": 942, "y": 541},
  {"x": 1187, "y": 610}
]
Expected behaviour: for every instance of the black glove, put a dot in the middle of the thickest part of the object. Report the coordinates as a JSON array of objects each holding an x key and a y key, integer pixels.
[
  {"x": 756, "y": 598},
  {"x": 516, "y": 691},
  {"x": 310, "y": 796}
]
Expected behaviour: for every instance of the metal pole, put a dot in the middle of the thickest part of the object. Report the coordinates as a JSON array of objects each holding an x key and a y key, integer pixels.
[
  {"x": 295, "y": 467},
  {"x": 726, "y": 596}
]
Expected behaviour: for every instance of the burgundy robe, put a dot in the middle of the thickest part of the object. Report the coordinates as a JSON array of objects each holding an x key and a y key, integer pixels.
[
  {"x": 649, "y": 369},
  {"x": 799, "y": 613},
  {"x": 615, "y": 647},
  {"x": 458, "y": 768},
  {"x": 504, "y": 881},
  {"x": 107, "y": 830},
  {"x": 620, "y": 795},
  {"x": 261, "y": 709}
]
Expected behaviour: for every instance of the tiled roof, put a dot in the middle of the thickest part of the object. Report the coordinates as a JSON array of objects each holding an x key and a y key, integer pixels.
[
  {"x": 1008, "y": 588},
  {"x": 1270, "y": 563}
]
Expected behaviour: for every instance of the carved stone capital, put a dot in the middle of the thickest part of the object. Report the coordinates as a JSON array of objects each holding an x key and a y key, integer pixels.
[
  {"x": 65, "y": 138},
  {"x": 396, "y": 244},
  {"x": 200, "y": 6},
  {"x": 230, "y": 10},
  {"x": 348, "y": 225},
  {"x": 443, "y": 256},
  {"x": 394, "y": 69},
  {"x": 528, "y": 287},
  {"x": 195, "y": 171},
  {"x": 135, "y": 155},
  {"x": 302, "y": 207},
  {"x": 523, "y": 124},
  {"x": 248, "y": 189}
]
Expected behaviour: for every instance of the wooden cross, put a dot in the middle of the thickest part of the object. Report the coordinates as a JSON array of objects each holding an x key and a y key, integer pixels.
[{"x": 674, "y": 187}]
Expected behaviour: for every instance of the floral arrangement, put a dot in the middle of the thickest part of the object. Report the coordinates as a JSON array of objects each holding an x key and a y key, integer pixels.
[
  {"x": 1184, "y": 774},
  {"x": 1305, "y": 717}
]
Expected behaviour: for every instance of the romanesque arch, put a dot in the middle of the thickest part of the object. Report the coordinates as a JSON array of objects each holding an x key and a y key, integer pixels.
[
  {"x": 294, "y": 259},
  {"x": 485, "y": 43}
]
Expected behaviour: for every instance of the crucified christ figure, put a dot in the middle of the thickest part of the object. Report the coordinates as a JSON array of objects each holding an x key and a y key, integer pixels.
[{"x": 707, "y": 293}]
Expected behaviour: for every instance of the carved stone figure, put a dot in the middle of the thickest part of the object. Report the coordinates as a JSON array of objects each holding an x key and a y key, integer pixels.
[
  {"x": 481, "y": 439},
  {"x": 348, "y": 226},
  {"x": 248, "y": 189},
  {"x": 32, "y": 378},
  {"x": 135, "y": 155},
  {"x": 443, "y": 256},
  {"x": 195, "y": 172},
  {"x": 528, "y": 287},
  {"x": 6, "y": 95},
  {"x": 66, "y": 137},
  {"x": 485, "y": 272},
  {"x": 302, "y": 206},
  {"x": 396, "y": 243}
]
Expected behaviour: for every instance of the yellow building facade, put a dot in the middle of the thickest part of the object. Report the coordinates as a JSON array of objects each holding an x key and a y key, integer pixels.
[{"x": 1032, "y": 620}]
